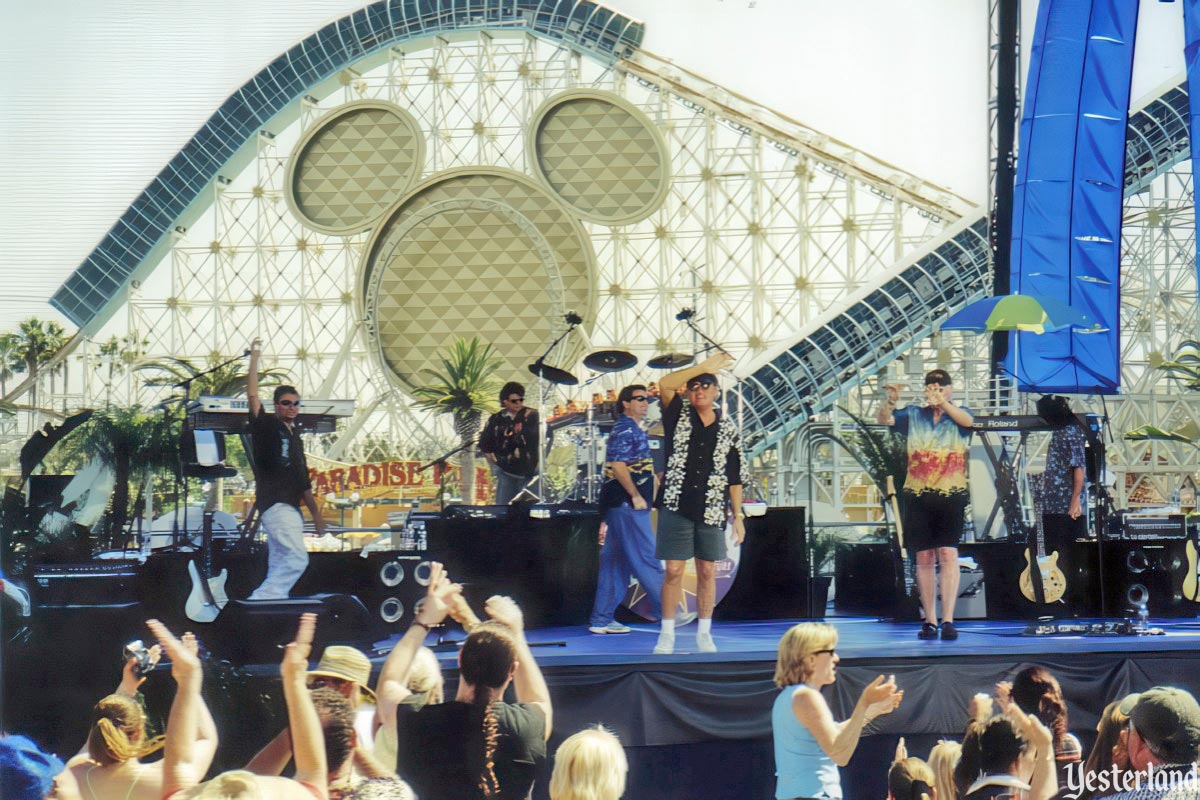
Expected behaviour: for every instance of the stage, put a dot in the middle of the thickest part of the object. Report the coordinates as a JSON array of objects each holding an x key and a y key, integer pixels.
[{"x": 696, "y": 725}]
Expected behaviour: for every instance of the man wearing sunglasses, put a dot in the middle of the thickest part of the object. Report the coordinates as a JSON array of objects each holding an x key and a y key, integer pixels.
[
  {"x": 281, "y": 483},
  {"x": 938, "y": 437},
  {"x": 625, "y": 498},
  {"x": 703, "y": 479},
  {"x": 510, "y": 443}
]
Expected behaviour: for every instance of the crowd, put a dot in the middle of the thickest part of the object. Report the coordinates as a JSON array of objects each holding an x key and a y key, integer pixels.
[{"x": 403, "y": 738}]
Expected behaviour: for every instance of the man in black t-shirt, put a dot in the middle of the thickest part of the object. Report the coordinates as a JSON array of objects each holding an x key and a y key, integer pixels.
[
  {"x": 510, "y": 443},
  {"x": 281, "y": 484},
  {"x": 703, "y": 477}
]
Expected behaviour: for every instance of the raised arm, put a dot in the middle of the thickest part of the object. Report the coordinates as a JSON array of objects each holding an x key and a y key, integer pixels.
[
  {"x": 390, "y": 690},
  {"x": 887, "y": 409},
  {"x": 308, "y": 740},
  {"x": 252, "y": 378},
  {"x": 529, "y": 683},
  {"x": 671, "y": 383},
  {"x": 182, "y": 763},
  {"x": 1043, "y": 784},
  {"x": 839, "y": 739}
]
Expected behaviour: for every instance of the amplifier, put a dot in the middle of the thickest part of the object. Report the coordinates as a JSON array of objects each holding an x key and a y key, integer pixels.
[
  {"x": 1150, "y": 526},
  {"x": 86, "y": 582}
]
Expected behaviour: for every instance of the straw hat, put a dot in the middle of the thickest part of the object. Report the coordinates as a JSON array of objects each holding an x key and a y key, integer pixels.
[{"x": 339, "y": 661}]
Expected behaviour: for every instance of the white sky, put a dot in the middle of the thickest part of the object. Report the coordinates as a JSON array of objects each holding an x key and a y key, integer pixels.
[{"x": 98, "y": 96}]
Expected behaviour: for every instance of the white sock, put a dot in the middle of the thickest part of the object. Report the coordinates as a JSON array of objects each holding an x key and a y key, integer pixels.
[
  {"x": 705, "y": 626},
  {"x": 668, "y": 627}
]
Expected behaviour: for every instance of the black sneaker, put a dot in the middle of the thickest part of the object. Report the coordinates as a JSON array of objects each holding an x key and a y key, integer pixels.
[
  {"x": 949, "y": 632},
  {"x": 928, "y": 631}
]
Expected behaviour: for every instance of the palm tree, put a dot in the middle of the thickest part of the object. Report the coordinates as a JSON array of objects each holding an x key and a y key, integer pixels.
[
  {"x": 133, "y": 443},
  {"x": 228, "y": 381},
  {"x": 36, "y": 344},
  {"x": 465, "y": 388},
  {"x": 119, "y": 355},
  {"x": 10, "y": 360}
]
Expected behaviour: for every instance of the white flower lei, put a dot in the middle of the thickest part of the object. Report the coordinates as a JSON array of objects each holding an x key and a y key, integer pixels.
[{"x": 714, "y": 497}]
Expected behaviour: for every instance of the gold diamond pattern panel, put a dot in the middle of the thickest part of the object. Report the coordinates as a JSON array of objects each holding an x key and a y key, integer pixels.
[
  {"x": 352, "y": 165},
  {"x": 475, "y": 252},
  {"x": 600, "y": 155}
]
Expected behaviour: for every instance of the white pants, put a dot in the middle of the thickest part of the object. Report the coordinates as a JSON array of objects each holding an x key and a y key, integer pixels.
[{"x": 286, "y": 557}]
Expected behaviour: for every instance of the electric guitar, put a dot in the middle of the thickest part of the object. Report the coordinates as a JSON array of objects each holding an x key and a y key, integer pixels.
[
  {"x": 1191, "y": 591},
  {"x": 207, "y": 597},
  {"x": 1047, "y": 584}
]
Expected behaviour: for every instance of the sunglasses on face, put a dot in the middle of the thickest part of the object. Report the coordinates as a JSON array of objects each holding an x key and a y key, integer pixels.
[
  {"x": 516, "y": 399},
  {"x": 289, "y": 403},
  {"x": 641, "y": 398},
  {"x": 830, "y": 651},
  {"x": 699, "y": 385},
  {"x": 325, "y": 680}
]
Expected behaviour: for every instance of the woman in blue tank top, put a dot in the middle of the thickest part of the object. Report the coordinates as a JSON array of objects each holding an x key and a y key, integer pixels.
[{"x": 809, "y": 745}]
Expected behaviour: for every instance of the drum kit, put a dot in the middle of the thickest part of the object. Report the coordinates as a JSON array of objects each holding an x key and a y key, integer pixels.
[{"x": 572, "y": 457}]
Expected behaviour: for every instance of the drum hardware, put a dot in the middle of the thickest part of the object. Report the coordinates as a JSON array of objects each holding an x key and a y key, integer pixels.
[
  {"x": 610, "y": 361},
  {"x": 550, "y": 375},
  {"x": 670, "y": 361}
]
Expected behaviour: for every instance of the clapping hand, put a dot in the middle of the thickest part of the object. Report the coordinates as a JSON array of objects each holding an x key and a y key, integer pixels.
[
  {"x": 505, "y": 609},
  {"x": 881, "y": 696},
  {"x": 439, "y": 597},
  {"x": 184, "y": 654},
  {"x": 1003, "y": 695},
  {"x": 295, "y": 655},
  {"x": 901, "y": 750},
  {"x": 980, "y": 708},
  {"x": 1031, "y": 728}
]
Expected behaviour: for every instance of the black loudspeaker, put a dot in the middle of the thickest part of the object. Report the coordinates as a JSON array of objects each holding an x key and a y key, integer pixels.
[
  {"x": 1149, "y": 571},
  {"x": 389, "y": 584},
  {"x": 255, "y": 631},
  {"x": 1004, "y": 561},
  {"x": 863, "y": 572},
  {"x": 772, "y": 577}
]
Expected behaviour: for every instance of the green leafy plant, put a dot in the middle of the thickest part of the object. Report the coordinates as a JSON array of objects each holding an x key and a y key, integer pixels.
[
  {"x": 881, "y": 451},
  {"x": 228, "y": 381},
  {"x": 465, "y": 388}
]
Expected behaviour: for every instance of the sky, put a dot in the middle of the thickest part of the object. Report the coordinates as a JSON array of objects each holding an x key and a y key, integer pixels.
[{"x": 97, "y": 97}]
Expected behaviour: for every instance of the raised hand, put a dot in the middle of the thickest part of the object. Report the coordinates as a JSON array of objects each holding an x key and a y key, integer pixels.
[
  {"x": 893, "y": 392},
  {"x": 1003, "y": 695},
  {"x": 439, "y": 596},
  {"x": 505, "y": 609},
  {"x": 185, "y": 660},
  {"x": 1031, "y": 728},
  {"x": 980, "y": 708},
  {"x": 882, "y": 695},
  {"x": 295, "y": 655},
  {"x": 901, "y": 750}
]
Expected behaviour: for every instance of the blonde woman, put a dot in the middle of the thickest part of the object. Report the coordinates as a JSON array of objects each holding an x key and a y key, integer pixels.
[
  {"x": 809, "y": 745},
  {"x": 110, "y": 764},
  {"x": 943, "y": 758},
  {"x": 589, "y": 765}
]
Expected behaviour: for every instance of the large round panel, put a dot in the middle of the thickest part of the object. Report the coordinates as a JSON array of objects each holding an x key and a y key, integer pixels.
[
  {"x": 352, "y": 165},
  {"x": 600, "y": 155},
  {"x": 475, "y": 252}
]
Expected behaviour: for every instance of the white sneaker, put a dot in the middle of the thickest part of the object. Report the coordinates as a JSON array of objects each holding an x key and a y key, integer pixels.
[
  {"x": 612, "y": 627},
  {"x": 666, "y": 644},
  {"x": 705, "y": 643}
]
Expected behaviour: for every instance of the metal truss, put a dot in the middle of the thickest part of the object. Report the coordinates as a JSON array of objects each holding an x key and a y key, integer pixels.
[{"x": 767, "y": 225}]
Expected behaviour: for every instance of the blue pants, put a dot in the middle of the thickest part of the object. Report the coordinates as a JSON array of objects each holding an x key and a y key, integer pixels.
[{"x": 628, "y": 550}]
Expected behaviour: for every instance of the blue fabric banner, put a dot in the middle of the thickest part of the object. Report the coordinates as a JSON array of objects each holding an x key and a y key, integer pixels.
[
  {"x": 1068, "y": 198},
  {"x": 1191, "y": 51}
]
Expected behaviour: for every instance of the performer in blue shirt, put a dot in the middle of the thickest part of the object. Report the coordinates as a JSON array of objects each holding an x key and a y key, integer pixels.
[{"x": 628, "y": 545}]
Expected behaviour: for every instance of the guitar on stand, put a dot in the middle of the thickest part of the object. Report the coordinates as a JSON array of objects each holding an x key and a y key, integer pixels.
[
  {"x": 1046, "y": 584},
  {"x": 207, "y": 597},
  {"x": 904, "y": 596}
]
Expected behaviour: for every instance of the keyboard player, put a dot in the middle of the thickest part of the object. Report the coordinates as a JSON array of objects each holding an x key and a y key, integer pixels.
[{"x": 281, "y": 484}]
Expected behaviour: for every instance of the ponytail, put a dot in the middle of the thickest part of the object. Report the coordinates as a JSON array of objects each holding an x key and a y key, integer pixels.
[
  {"x": 118, "y": 730},
  {"x": 486, "y": 664}
]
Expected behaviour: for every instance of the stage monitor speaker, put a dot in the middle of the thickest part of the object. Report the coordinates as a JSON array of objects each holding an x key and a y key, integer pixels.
[
  {"x": 859, "y": 569},
  {"x": 1149, "y": 571},
  {"x": 389, "y": 584},
  {"x": 772, "y": 577},
  {"x": 255, "y": 631}
]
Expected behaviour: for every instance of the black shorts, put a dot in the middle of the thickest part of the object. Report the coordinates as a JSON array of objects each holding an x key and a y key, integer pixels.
[{"x": 933, "y": 520}]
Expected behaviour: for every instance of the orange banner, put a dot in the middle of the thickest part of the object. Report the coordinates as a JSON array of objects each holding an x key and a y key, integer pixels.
[{"x": 395, "y": 474}]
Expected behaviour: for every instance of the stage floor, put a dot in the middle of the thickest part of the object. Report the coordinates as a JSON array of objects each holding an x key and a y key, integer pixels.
[{"x": 859, "y": 638}]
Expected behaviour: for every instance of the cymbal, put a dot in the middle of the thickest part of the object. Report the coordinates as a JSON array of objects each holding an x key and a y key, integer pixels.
[
  {"x": 670, "y": 361},
  {"x": 554, "y": 374},
  {"x": 610, "y": 360}
]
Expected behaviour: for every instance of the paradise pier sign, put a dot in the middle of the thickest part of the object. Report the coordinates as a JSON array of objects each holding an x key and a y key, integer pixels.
[{"x": 385, "y": 474}]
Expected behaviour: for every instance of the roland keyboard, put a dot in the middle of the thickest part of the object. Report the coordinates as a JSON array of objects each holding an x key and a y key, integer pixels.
[
  {"x": 1019, "y": 422},
  {"x": 230, "y": 414}
]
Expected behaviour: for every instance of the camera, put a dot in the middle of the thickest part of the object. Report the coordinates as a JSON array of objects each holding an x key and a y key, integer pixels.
[{"x": 136, "y": 649}]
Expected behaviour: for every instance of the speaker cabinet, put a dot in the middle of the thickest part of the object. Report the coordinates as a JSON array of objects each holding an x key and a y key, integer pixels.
[
  {"x": 861, "y": 572},
  {"x": 255, "y": 631},
  {"x": 772, "y": 578},
  {"x": 1149, "y": 571},
  {"x": 389, "y": 584},
  {"x": 1004, "y": 561}
]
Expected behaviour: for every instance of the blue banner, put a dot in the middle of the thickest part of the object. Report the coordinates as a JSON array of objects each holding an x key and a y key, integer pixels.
[{"x": 1068, "y": 198}]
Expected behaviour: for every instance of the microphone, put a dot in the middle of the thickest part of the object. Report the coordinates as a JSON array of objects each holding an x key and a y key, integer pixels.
[
  {"x": 685, "y": 314},
  {"x": 246, "y": 352},
  {"x": 573, "y": 319}
]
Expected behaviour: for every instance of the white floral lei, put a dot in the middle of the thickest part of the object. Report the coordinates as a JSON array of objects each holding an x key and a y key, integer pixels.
[{"x": 714, "y": 497}]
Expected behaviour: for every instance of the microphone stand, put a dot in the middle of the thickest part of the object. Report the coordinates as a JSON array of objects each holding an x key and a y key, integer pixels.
[
  {"x": 541, "y": 444},
  {"x": 686, "y": 316},
  {"x": 443, "y": 461}
]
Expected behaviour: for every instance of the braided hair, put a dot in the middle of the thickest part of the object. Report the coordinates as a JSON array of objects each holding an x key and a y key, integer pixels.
[
  {"x": 118, "y": 731},
  {"x": 486, "y": 663}
]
